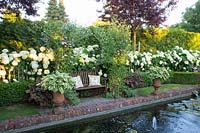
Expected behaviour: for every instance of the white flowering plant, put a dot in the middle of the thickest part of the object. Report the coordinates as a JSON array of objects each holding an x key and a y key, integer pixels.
[
  {"x": 86, "y": 57},
  {"x": 177, "y": 59},
  {"x": 32, "y": 63}
]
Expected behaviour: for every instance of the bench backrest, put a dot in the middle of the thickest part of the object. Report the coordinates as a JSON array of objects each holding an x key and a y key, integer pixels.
[{"x": 84, "y": 76}]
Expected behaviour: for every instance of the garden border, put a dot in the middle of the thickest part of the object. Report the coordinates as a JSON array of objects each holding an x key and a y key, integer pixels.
[{"x": 80, "y": 113}]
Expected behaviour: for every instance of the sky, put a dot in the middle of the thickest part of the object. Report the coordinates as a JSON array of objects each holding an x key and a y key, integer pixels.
[{"x": 83, "y": 12}]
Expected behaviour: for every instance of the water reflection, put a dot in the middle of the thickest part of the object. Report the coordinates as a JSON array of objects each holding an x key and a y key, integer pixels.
[{"x": 162, "y": 119}]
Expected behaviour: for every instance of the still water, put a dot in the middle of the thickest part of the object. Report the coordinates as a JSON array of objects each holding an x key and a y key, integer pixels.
[{"x": 159, "y": 119}]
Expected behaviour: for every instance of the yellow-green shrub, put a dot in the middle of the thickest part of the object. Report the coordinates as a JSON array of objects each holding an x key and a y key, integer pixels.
[{"x": 167, "y": 38}]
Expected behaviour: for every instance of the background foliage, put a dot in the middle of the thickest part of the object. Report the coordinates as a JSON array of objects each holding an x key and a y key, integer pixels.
[{"x": 166, "y": 39}]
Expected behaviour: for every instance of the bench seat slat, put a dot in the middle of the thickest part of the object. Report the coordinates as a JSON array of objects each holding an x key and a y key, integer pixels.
[{"x": 90, "y": 87}]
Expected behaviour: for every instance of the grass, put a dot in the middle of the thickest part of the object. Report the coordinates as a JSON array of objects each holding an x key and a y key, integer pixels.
[
  {"x": 15, "y": 111},
  {"x": 163, "y": 88}
]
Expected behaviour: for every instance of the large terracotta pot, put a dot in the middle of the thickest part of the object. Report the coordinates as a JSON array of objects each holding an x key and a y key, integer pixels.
[
  {"x": 58, "y": 98},
  {"x": 156, "y": 85}
]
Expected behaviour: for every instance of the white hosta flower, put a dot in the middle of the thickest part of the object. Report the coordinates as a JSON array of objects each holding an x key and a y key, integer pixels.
[
  {"x": 46, "y": 71},
  {"x": 5, "y": 51},
  {"x": 14, "y": 62},
  {"x": 5, "y": 81},
  {"x": 42, "y": 49},
  {"x": 24, "y": 54},
  {"x": 4, "y": 58},
  {"x": 2, "y": 72},
  {"x": 34, "y": 64}
]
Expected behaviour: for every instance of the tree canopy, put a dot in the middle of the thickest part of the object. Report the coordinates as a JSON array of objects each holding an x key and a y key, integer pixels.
[
  {"x": 138, "y": 13},
  {"x": 56, "y": 11},
  {"x": 29, "y": 6},
  {"x": 191, "y": 19}
]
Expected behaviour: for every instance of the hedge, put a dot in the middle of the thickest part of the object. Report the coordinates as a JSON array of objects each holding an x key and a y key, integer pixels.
[
  {"x": 186, "y": 78},
  {"x": 14, "y": 92}
]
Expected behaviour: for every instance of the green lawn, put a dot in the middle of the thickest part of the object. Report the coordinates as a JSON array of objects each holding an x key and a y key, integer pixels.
[
  {"x": 15, "y": 111},
  {"x": 163, "y": 88}
]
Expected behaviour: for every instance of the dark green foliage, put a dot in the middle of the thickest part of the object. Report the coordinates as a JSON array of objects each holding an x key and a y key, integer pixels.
[
  {"x": 191, "y": 19},
  {"x": 134, "y": 81},
  {"x": 72, "y": 95},
  {"x": 13, "y": 92},
  {"x": 61, "y": 10},
  {"x": 186, "y": 78},
  {"x": 52, "y": 10},
  {"x": 147, "y": 79},
  {"x": 21, "y": 35},
  {"x": 37, "y": 95},
  {"x": 128, "y": 92}
]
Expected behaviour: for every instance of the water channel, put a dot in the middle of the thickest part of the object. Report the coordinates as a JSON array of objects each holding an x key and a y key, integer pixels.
[{"x": 178, "y": 117}]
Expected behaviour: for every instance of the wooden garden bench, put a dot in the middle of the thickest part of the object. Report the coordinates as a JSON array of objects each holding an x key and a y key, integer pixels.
[{"x": 95, "y": 89}]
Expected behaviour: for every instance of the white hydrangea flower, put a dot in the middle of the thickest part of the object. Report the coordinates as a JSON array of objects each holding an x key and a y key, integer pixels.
[
  {"x": 42, "y": 49},
  {"x": 14, "y": 62},
  {"x": 90, "y": 48},
  {"x": 2, "y": 72},
  {"x": 24, "y": 54},
  {"x": 105, "y": 75},
  {"x": 50, "y": 55},
  {"x": 46, "y": 71},
  {"x": 34, "y": 64},
  {"x": 33, "y": 52},
  {"x": 39, "y": 73},
  {"x": 5, "y": 51},
  {"x": 4, "y": 58}
]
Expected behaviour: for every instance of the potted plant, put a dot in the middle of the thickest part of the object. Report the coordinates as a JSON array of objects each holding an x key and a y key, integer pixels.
[
  {"x": 58, "y": 83},
  {"x": 156, "y": 74}
]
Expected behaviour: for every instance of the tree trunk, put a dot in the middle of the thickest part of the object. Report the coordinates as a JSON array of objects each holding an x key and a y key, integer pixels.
[{"x": 134, "y": 39}]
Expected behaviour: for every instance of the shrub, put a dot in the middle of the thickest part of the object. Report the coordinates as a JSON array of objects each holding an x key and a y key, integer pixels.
[
  {"x": 14, "y": 92},
  {"x": 134, "y": 81},
  {"x": 165, "y": 39},
  {"x": 146, "y": 78},
  {"x": 186, "y": 78},
  {"x": 39, "y": 96}
]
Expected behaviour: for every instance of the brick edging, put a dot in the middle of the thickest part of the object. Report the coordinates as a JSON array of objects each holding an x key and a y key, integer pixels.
[{"x": 72, "y": 112}]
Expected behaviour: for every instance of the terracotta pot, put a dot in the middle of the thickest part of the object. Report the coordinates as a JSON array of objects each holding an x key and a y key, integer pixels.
[
  {"x": 156, "y": 85},
  {"x": 58, "y": 98}
]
